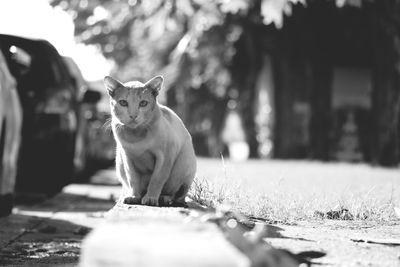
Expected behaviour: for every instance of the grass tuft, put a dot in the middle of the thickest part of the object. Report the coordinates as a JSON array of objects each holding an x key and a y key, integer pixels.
[{"x": 281, "y": 206}]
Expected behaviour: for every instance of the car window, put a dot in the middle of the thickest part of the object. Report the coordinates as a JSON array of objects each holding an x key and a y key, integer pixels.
[
  {"x": 56, "y": 72},
  {"x": 39, "y": 68},
  {"x": 21, "y": 61},
  {"x": 21, "y": 57},
  {"x": 41, "y": 74}
]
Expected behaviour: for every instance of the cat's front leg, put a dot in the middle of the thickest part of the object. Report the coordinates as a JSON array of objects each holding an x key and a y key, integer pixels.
[
  {"x": 131, "y": 183},
  {"x": 135, "y": 196},
  {"x": 157, "y": 181},
  {"x": 122, "y": 177}
]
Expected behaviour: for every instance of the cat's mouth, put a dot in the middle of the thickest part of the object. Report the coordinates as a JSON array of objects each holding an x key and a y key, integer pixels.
[{"x": 133, "y": 124}]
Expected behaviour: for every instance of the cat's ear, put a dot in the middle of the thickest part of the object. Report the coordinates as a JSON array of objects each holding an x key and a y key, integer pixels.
[
  {"x": 155, "y": 84},
  {"x": 111, "y": 85}
]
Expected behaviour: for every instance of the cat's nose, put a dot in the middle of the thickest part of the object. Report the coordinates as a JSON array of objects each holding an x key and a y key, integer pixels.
[{"x": 132, "y": 117}]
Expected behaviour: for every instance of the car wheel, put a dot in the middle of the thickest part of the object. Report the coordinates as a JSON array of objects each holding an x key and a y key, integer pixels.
[{"x": 6, "y": 200}]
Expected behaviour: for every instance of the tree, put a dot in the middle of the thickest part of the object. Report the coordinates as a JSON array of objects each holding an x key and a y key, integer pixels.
[{"x": 197, "y": 45}]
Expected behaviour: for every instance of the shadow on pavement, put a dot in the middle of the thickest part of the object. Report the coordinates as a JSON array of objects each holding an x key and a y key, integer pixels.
[
  {"x": 67, "y": 202},
  {"x": 34, "y": 241},
  {"x": 50, "y": 233}
]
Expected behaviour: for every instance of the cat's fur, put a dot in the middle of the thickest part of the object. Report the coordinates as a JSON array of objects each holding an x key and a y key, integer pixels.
[{"x": 155, "y": 160}]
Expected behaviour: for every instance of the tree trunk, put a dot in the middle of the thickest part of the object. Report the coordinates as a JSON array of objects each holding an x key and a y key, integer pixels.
[
  {"x": 386, "y": 88},
  {"x": 248, "y": 65},
  {"x": 283, "y": 143},
  {"x": 320, "y": 108}
]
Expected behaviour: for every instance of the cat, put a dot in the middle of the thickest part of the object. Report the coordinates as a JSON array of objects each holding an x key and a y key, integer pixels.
[{"x": 155, "y": 159}]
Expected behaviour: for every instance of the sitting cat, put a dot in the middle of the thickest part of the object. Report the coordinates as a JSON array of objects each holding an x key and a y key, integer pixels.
[{"x": 155, "y": 160}]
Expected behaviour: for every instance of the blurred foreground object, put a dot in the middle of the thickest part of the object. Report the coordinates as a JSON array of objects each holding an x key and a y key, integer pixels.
[
  {"x": 10, "y": 139},
  {"x": 52, "y": 100},
  {"x": 194, "y": 236},
  {"x": 148, "y": 236}
]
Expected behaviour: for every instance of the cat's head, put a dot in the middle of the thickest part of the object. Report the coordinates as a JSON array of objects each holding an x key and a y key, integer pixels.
[{"x": 133, "y": 103}]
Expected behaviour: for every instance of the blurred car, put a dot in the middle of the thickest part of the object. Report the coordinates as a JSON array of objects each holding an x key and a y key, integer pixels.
[
  {"x": 52, "y": 102},
  {"x": 101, "y": 148},
  {"x": 10, "y": 130},
  {"x": 94, "y": 146},
  {"x": 87, "y": 113}
]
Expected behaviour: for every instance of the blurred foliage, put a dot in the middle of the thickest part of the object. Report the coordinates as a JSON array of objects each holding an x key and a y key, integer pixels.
[
  {"x": 193, "y": 43},
  {"x": 190, "y": 40},
  {"x": 178, "y": 33},
  {"x": 123, "y": 30}
]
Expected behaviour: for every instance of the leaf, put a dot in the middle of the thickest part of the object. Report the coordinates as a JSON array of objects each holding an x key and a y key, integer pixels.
[
  {"x": 233, "y": 6},
  {"x": 338, "y": 213},
  {"x": 386, "y": 242},
  {"x": 272, "y": 12},
  {"x": 82, "y": 230},
  {"x": 48, "y": 229},
  {"x": 340, "y": 3},
  {"x": 355, "y": 3},
  {"x": 186, "y": 7}
]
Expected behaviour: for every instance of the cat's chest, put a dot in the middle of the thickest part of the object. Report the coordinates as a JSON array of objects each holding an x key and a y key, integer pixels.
[
  {"x": 135, "y": 143},
  {"x": 143, "y": 163},
  {"x": 139, "y": 152},
  {"x": 129, "y": 136}
]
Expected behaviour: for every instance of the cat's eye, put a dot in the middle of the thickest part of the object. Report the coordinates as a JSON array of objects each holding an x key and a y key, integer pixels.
[
  {"x": 123, "y": 103},
  {"x": 143, "y": 103}
]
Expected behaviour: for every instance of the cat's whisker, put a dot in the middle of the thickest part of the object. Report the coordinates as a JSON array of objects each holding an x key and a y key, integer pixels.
[
  {"x": 107, "y": 124},
  {"x": 118, "y": 127}
]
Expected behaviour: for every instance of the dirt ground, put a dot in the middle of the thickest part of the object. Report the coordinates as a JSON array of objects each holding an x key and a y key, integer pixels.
[
  {"x": 346, "y": 243},
  {"x": 50, "y": 233}
]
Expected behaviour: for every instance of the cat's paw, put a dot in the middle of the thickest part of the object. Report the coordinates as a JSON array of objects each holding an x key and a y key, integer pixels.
[
  {"x": 150, "y": 201},
  {"x": 133, "y": 200},
  {"x": 166, "y": 200}
]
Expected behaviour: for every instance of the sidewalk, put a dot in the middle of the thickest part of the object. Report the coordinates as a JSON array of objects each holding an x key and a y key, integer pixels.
[{"x": 50, "y": 233}]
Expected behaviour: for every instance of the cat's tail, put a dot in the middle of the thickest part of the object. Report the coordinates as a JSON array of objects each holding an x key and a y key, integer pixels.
[{"x": 180, "y": 195}]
